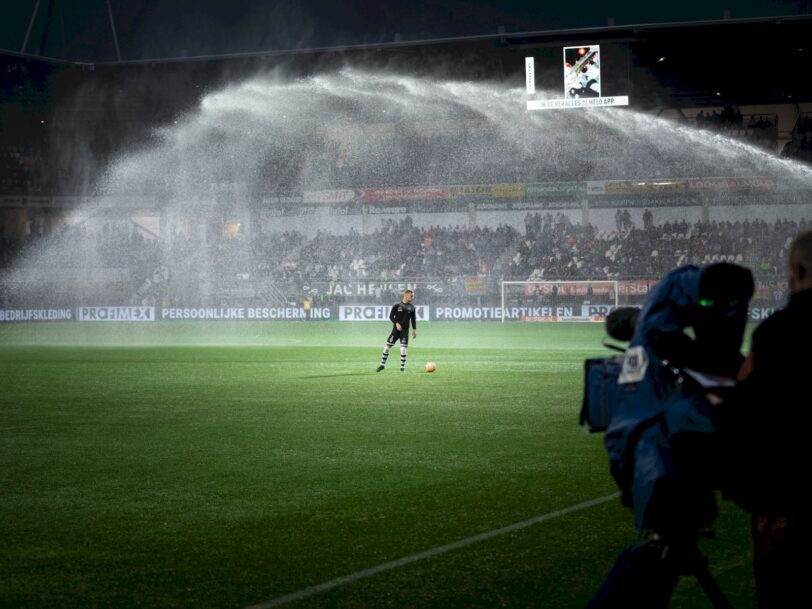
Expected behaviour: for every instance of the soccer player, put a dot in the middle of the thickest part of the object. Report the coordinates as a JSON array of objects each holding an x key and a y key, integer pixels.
[{"x": 401, "y": 314}]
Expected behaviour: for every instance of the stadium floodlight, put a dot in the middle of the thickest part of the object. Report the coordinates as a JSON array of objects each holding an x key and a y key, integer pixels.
[
  {"x": 564, "y": 300},
  {"x": 582, "y": 82}
]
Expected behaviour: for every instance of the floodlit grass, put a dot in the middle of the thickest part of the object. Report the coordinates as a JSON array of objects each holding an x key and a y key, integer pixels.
[{"x": 225, "y": 464}]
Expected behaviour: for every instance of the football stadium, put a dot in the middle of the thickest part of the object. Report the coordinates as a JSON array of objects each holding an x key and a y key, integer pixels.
[{"x": 306, "y": 304}]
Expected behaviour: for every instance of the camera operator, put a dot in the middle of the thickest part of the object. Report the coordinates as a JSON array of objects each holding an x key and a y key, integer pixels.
[
  {"x": 764, "y": 428},
  {"x": 658, "y": 427}
]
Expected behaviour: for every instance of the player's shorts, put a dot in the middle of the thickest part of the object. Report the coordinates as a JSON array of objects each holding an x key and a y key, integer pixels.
[{"x": 402, "y": 336}]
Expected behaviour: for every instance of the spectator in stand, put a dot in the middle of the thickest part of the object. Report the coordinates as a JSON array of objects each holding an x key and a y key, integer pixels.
[
  {"x": 648, "y": 220},
  {"x": 627, "y": 220}
]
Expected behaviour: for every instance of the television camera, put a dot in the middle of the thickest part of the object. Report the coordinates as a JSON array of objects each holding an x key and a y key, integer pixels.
[{"x": 650, "y": 403}]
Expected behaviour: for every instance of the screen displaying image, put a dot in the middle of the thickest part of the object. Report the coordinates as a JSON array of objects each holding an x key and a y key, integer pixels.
[{"x": 582, "y": 72}]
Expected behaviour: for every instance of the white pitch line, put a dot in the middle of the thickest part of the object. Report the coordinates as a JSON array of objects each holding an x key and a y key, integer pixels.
[{"x": 394, "y": 564}]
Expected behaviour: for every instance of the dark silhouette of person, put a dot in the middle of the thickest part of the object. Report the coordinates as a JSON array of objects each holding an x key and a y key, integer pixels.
[{"x": 764, "y": 427}]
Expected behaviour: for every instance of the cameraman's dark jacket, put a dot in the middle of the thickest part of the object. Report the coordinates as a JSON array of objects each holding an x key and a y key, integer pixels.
[{"x": 764, "y": 425}]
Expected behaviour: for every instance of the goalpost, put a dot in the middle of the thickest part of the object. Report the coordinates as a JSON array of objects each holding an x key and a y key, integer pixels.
[{"x": 558, "y": 300}]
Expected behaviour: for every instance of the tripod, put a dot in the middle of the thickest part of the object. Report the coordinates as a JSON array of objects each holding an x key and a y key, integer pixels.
[
  {"x": 688, "y": 560},
  {"x": 644, "y": 575}
]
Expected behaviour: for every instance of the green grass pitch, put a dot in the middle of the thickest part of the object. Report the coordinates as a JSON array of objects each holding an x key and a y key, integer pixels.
[{"x": 228, "y": 464}]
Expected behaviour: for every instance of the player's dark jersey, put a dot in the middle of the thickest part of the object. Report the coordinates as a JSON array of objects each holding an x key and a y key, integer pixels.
[{"x": 402, "y": 313}]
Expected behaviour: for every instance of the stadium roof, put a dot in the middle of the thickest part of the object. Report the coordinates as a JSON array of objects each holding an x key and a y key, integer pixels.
[
  {"x": 97, "y": 31},
  {"x": 742, "y": 60}
]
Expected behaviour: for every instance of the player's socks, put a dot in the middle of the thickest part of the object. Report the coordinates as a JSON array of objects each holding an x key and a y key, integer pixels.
[
  {"x": 385, "y": 355},
  {"x": 403, "y": 349}
]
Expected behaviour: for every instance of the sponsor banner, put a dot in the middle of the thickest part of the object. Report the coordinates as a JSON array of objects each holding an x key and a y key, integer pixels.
[
  {"x": 556, "y": 189},
  {"x": 626, "y": 287},
  {"x": 7, "y": 315},
  {"x": 561, "y": 313},
  {"x": 496, "y": 191},
  {"x": 508, "y": 191},
  {"x": 530, "y": 75},
  {"x": 504, "y": 204},
  {"x": 495, "y": 313},
  {"x": 388, "y": 210},
  {"x": 245, "y": 313},
  {"x": 578, "y": 102},
  {"x": 594, "y": 311},
  {"x": 635, "y": 287},
  {"x": 631, "y": 187},
  {"x": 309, "y": 210},
  {"x": 374, "y": 312},
  {"x": 570, "y": 289},
  {"x": 504, "y": 190},
  {"x": 537, "y": 318},
  {"x": 760, "y": 313},
  {"x": 472, "y": 190},
  {"x": 115, "y": 314},
  {"x": 330, "y": 196},
  {"x": 731, "y": 184},
  {"x": 371, "y": 288},
  {"x": 767, "y": 291},
  {"x": 283, "y": 199},
  {"x": 475, "y": 285},
  {"x": 650, "y": 200},
  {"x": 404, "y": 194},
  {"x": 534, "y": 205}
]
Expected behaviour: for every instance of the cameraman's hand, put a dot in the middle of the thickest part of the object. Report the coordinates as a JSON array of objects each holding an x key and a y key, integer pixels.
[{"x": 713, "y": 399}]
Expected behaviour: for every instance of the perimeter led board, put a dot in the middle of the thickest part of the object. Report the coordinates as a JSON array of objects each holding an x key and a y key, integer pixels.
[{"x": 583, "y": 85}]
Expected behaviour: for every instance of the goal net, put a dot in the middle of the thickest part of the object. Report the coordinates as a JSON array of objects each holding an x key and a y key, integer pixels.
[{"x": 558, "y": 300}]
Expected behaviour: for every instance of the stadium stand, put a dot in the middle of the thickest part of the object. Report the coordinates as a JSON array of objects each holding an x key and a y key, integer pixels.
[
  {"x": 63, "y": 122},
  {"x": 759, "y": 130},
  {"x": 121, "y": 263},
  {"x": 800, "y": 146}
]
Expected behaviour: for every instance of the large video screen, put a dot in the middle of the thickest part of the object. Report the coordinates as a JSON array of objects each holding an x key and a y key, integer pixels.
[{"x": 582, "y": 72}]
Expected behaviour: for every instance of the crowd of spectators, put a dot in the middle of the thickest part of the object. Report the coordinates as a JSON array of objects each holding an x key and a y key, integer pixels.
[
  {"x": 400, "y": 250},
  {"x": 761, "y": 130},
  {"x": 77, "y": 265},
  {"x": 800, "y": 146},
  {"x": 121, "y": 263},
  {"x": 559, "y": 249}
]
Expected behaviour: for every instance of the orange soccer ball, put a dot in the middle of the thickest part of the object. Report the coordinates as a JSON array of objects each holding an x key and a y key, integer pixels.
[{"x": 431, "y": 366}]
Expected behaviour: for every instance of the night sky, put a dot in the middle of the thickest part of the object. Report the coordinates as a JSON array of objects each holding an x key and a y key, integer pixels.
[{"x": 79, "y": 29}]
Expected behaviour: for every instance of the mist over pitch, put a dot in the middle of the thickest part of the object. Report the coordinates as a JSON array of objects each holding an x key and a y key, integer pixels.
[
  {"x": 354, "y": 129},
  {"x": 268, "y": 137}
]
